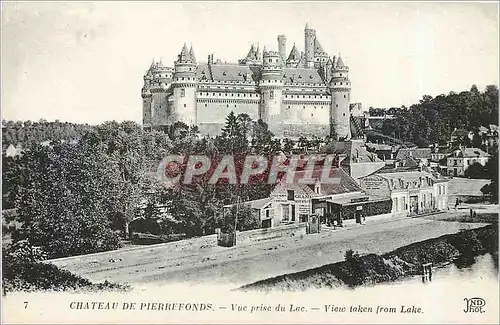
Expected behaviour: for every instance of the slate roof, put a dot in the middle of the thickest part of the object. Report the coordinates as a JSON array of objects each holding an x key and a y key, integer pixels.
[
  {"x": 474, "y": 152},
  {"x": 417, "y": 153},
  {"x": 354, "y": 150},
  {"x": 301, "y": 75},
  {"x": 317, "y": 47},
  {"x": 343, "y": 182},
  {"x": 294, "y": 54},
  {"x": 340, "y": 63},
  {"x": 226, "y": 72}
]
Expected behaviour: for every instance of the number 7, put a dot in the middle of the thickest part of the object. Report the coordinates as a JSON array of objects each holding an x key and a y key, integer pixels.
[{"x": 25, "y": 304}]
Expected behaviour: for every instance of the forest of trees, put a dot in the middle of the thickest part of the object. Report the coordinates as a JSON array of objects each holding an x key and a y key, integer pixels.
[
  {"x": 83, "y": 194},
  {"x": 76, "y": 197},
  {"x": 433, "y": 120}
]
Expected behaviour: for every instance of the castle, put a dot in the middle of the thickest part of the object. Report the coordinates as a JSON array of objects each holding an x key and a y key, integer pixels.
[{"x": 302, "y": 94}]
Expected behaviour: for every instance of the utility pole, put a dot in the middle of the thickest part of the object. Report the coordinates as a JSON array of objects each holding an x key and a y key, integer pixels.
[{"x": 236, "y": 219}]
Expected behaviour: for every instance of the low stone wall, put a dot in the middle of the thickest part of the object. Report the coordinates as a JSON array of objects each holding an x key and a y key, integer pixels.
[{"x": 283, "y": 231}]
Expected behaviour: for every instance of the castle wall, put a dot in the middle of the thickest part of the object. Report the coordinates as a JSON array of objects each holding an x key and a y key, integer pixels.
[{"x": 159, "y": 108}]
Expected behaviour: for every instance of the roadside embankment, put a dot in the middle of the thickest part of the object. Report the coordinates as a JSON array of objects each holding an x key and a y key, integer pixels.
[{"x": 405, "y": 261}]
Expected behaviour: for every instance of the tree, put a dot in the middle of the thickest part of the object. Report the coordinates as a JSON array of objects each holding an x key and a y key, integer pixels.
[
  {"x": 65, "y": 198},
  {"x": 262, "y": 139},
  {"x": 232, "y": 139},
  {"x": 476, "y": 170}
]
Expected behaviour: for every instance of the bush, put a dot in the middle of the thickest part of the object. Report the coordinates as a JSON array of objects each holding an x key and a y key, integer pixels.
[
  {"x": 23, "y": 271},
  {"x": 476, "y": 170}
]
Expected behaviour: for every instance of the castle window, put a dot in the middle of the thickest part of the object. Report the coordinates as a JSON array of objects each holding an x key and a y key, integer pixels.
[
  {"x": 336, "y": 105},
  {"x": 341, "y": 84},
  {"x": 183, "y": 92},
  {"x": 343, "y": 114},
  {"x": 344, "y": 96},
  {"x": 271, "y": 94},
  {"x": 205, "y": 105},
  {"x": 182, "y": 78},
  {"x": 227, "y": 105},
  {"x": 341, "y": 74},
  {"x": 303, "y": 107},
  {"x": 184, "y": 105}
]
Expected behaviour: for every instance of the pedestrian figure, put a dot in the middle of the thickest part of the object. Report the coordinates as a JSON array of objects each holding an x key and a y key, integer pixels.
[
  {"x": 471, "y": 213},
  {"x": 475, "y": 214},
  {"x": 456, "y": 205}
]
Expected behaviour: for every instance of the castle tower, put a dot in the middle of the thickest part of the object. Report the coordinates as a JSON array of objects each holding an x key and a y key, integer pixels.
[
  {"x": 147, "y": 114},
  {"x": 340, "y": 88},
  {"x": 271, "y": 87},
  {"x": 282, "y": 46},
  {"x": 184, "y": 88},
  {"x": 309, "y": 38}
]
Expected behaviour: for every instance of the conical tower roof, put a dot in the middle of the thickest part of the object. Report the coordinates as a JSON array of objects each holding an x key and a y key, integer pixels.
[
  {"x": 251, "y": 52},
  {"x": 340, "y": 63},
  {"x": 184, "y": 55},
  {"x": 294, "y": 54},
  {"x": 191, "y": 54},
  {"x": 329, "y": 63},
  {"x": 317, "y": 47}
]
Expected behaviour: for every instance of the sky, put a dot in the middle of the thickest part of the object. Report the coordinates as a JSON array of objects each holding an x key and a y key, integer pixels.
[{"x": 84, "y": 62}]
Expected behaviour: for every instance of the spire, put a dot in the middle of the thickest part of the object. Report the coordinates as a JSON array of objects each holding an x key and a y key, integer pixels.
[
  {"x": 264, "y": 50},
  {"x": 152, "y": 63},
  {"x": 191, "y": 54},
  {"x": 307, "y": 25},
  {"x": 329, "y": 62}
]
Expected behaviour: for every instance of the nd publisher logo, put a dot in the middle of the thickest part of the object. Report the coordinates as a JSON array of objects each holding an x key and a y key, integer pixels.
[{"x": 474, "y": 305}]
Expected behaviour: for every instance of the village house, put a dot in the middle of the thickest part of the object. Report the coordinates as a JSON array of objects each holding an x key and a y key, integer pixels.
[
  {"x": 12, "y": 151},
  {"x": 462, "y": 158},
  {"x": 355, "y": 159},
  {"x": 411, "y": 192},
  {"x": 489, "y": 135},
  {"x": 384, "y": 152},
  {"x": 422, "y": 156}
]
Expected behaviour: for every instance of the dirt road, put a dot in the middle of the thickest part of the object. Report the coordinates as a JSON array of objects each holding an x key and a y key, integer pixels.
[{"x": 194, "y": 263}]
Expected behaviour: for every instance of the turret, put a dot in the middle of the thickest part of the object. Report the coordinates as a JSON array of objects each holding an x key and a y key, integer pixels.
[
  {"x": 309, "y": 37},
  {"x": 157, "y": 80},
  {"x": 271, "y": 87},
  {"x": 282, "y": 46},
  {"x": 184, "y": 88},
  {"x": 340, "y": 88}
]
